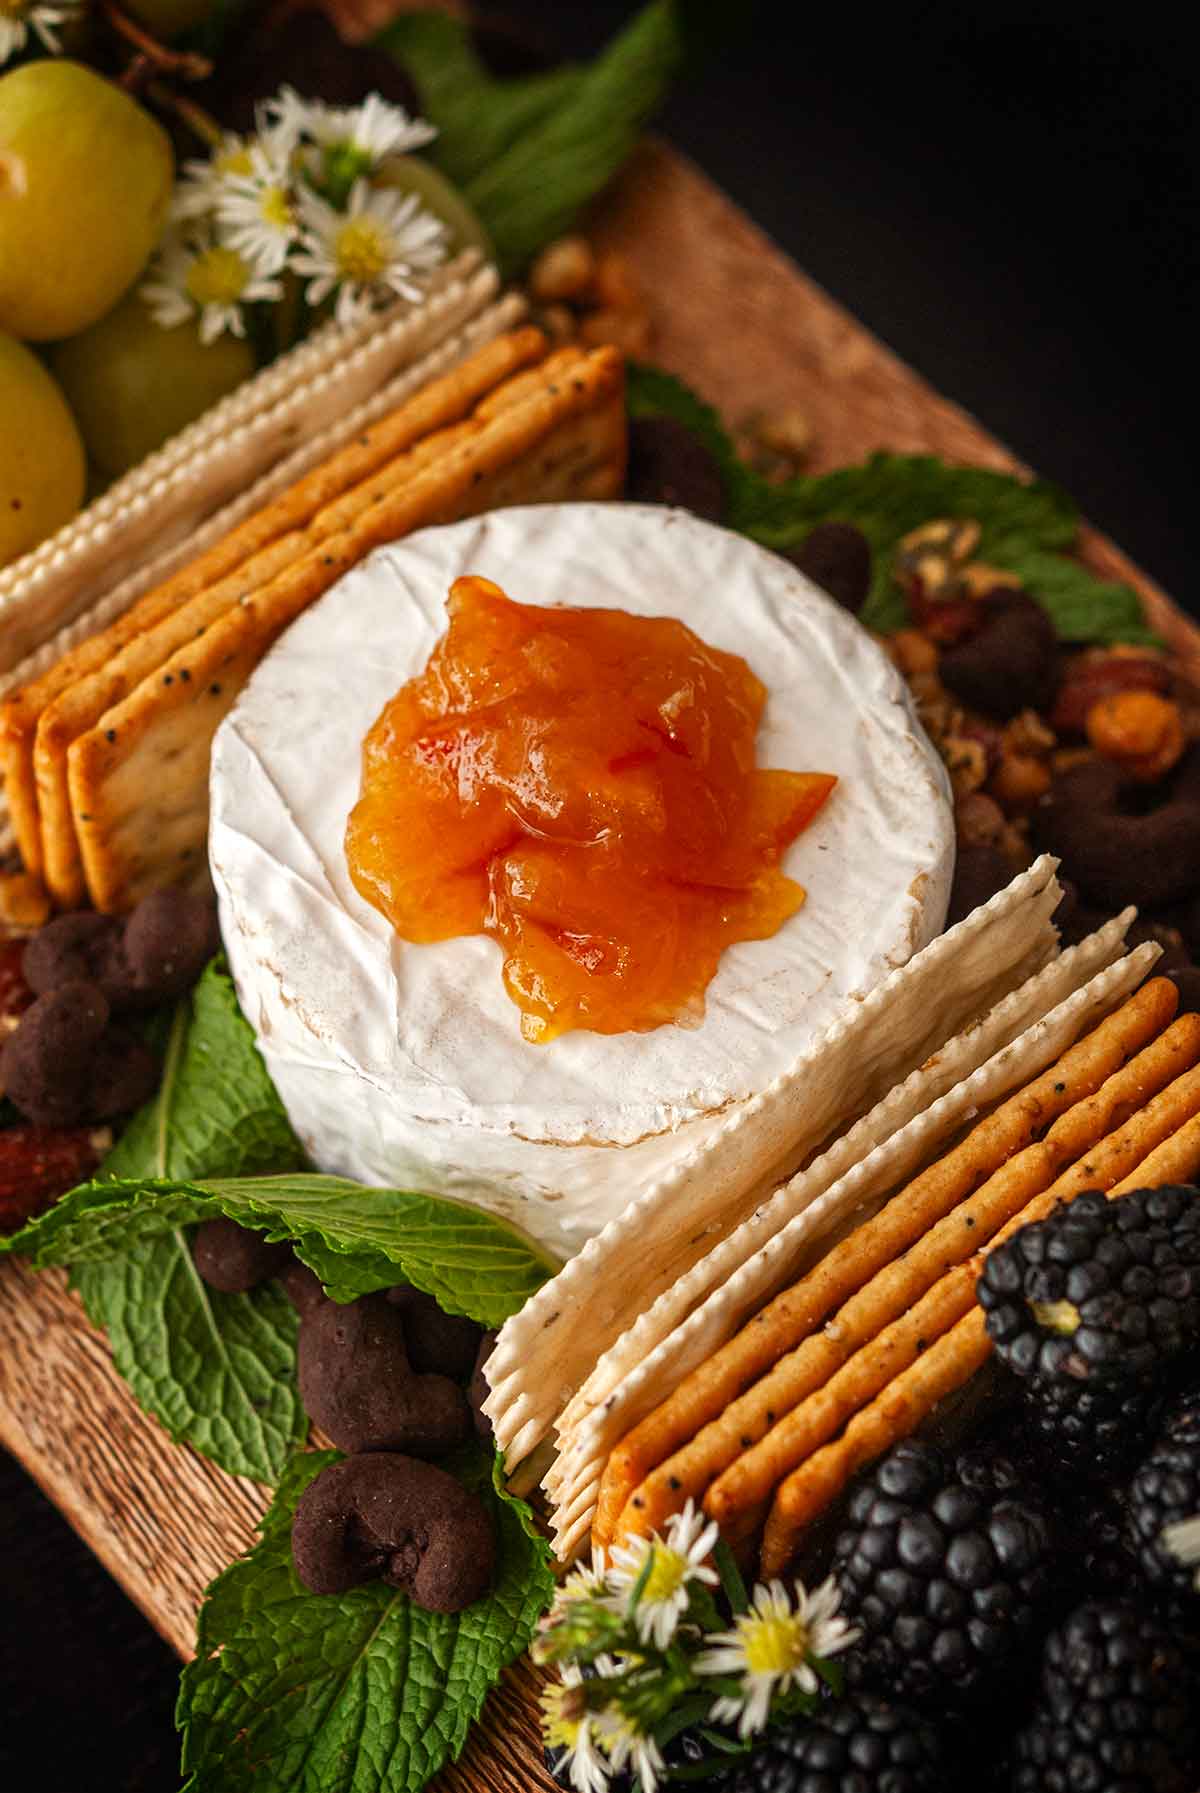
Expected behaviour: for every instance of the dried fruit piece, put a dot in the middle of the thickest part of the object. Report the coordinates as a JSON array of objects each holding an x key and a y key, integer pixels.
[{"x": 38, "y": 1164}]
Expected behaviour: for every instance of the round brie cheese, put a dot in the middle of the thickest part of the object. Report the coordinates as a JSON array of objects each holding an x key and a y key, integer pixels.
[{"x": 403, "y": 1065}]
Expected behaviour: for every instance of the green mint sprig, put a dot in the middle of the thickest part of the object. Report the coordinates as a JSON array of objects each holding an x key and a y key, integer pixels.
[
  {"x": 359, "y": 1693},
  {"x": 1028, "y": 527}
]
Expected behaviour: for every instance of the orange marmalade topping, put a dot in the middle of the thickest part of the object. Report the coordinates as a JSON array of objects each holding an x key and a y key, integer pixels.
[{"x": 580, "y": 785}]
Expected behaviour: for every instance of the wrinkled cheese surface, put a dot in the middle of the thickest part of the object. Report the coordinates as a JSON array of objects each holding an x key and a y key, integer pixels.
[{"x": 404, "y": 1064}]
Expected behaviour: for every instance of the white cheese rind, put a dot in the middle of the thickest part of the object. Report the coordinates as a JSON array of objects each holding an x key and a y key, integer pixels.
[{"x": 404, "y": 1065}]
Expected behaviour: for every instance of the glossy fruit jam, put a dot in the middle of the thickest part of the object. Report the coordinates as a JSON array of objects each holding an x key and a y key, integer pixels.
[{"x": 580, "y": 785}]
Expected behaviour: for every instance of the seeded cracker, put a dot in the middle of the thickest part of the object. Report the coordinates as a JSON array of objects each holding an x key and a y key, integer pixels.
[
  {"x": 138, "y": 779},
  {"x": 29, "y": 718},
  {"x": 706, "y": 1394},
  {"x": 81, "y": 707}
]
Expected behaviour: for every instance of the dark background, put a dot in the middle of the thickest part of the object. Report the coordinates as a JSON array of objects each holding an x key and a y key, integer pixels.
[{"x": 1007, "y": 199}]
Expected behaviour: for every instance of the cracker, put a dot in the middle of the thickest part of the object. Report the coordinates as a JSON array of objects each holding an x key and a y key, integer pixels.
[
  {"x": 546, "y": 1352},
  {"x": 1169, "y": 1118},
  {"x": 894, "y": 1414},
  {"x": 138, "y": 779},
  {"x": 442, "y": 402},
  {"x": 1036, "y": 998},
  {"x": 1176, "y": 1160},
  {"x": 704, "y": 1395},
  {"x": 744, "y": 1480}
]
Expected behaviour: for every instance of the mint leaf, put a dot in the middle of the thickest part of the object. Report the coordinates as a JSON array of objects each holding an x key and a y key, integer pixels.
[
  {"x": 216, "y": 1370},
  {"x": 216, "y": 1112},
  {"x": 362, "y": 1693},
  {"x": 356, "y": 1239},
  {"x": 529, "y": 154},
  {"x": 477, "y": 116},
  {"x": 1027, "y": 526}
]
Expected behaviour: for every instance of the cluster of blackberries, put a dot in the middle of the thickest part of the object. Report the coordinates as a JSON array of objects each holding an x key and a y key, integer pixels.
[{"x": 1025, "y": 1627}]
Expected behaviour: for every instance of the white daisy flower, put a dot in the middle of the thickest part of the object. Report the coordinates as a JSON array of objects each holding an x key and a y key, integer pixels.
[
  {"x": 282, "y": 121},
  {"x": 588, "y": 1581},
  {"x": 18, "y": 18},
  {"x": 257, "y": 214},
  {"x": 204, "y": 180},
  {"x": 770, "y": 1648},
  {"x": 628, "y": 1746},
  {"x": 368, "y": 134},
  {"x": 376, "y": 247},
  {"x": 205, "y": 280},
  {"x": 676, "y": 1560},
  {"x": 567, "y": 1725}
]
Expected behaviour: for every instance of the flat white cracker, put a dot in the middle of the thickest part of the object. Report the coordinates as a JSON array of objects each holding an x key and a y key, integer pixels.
[{"x": 546, "y": 1352}]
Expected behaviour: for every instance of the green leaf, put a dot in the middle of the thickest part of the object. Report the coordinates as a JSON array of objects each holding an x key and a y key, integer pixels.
[
  {"x": 1027, "y": 525},
  {"x": 356, "y": 1239},
  {"x": 531, "y": 153},
  {"x": 363, "y": 1693},
  {"x": 477, "y": 116},
  {"x": 216, "y": 1370}
]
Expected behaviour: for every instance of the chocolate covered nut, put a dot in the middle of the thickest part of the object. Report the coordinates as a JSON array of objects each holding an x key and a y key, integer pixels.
[
  {"x": 669, "y": 465},
  {"x": 387, "y": 1517},
  {"x": 65, "y": 1064},
  {"x": 302, "y": 1287},
  {"x": 80, "y": 948},
  {"x": 478, "y": 1389},
  {"x": 979, "y": 872},
  {"x": 1121, "y": 841},
  {"x": 235, "y": 1258},
  {"x": 357, "y": 1385},
  {"x": 169, "y": 938},
  {"x": 837, "y": 557},
  {"x": 446, "y": 1343},
  {"x": 1009, "y": 663},
  {"x": 46, "y": 1063}
]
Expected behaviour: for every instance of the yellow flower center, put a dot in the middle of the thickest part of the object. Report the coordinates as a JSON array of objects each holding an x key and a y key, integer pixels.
[
  {"x": 362, "y": 250},
  {"x": 217, "y": 277},
  {"x": 274, "y": 208},
  {"x": 774, "y": 1645},
  {"x": 234, "y": 161},
  {"x": 564, "y": 1710},
  {"x": 667, "y": 1571}
]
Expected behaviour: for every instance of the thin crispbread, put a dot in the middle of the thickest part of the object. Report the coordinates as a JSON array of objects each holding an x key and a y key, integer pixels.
[
  {"x": 859, "y": 1192},
  {"x": 443, "y": 402},
  {"x": 138, "y": 778},
  {"x": 546, "y": 1352},
  {"x": 935, "y": 1078},
  {"x": 82, "y": 705}
]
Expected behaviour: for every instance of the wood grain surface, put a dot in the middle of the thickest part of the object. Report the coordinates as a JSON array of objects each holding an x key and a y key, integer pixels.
[{"x": 745, "y": 327}]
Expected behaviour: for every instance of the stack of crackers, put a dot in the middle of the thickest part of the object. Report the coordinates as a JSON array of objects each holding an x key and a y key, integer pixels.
[
  {"x": 105, "y": 751},
  {"x": 839, "y": 1315}
]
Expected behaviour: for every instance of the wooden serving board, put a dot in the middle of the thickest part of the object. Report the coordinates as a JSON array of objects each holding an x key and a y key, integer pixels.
[{"x": 742, "y": 325}]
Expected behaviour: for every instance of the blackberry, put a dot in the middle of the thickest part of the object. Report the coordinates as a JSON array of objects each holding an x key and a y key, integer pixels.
[
  {"x": 860, "y": 1744},
  {"x": 1101, "y": 1291},
  {"x": 1088, "y": 1433},
  {"x": 1167, "y": 1488},
  {"x": 1116, "y": 1713},
  {"x": 944, "y": 1568}
]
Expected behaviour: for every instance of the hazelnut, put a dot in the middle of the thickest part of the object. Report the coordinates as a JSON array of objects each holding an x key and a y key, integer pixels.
[{"x": 565, "y": 269}]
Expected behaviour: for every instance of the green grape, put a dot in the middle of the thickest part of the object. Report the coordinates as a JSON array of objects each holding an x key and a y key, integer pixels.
[
  {"x": 132, "y": 385},
  {"x": 85, "y": 182},
  {"x": 42, "y": 469},
  {"x": 168, "y": 19},
  {"x": 409, "y": 174}
]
